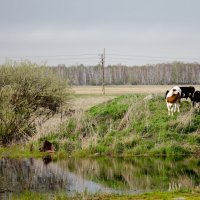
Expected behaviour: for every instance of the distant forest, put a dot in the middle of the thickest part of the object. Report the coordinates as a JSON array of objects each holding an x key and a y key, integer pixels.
[{"x": 162, "y": 74}]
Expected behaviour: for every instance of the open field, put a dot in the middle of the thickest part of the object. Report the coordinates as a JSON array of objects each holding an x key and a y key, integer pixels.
[{"x": 125, "y": 89}]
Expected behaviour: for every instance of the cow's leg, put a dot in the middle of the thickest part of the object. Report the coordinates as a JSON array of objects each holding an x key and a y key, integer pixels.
[
  {"x": 169, "y": 108},
  {"x": 172, "y": 109},
  {"x": 197, "y": 106},
  {"x": 178, "y": 107},
  {"x": 175, "y": 107}
]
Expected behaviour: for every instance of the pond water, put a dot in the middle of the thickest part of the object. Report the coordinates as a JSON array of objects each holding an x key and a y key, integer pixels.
[{"x": 95, "y": 175}]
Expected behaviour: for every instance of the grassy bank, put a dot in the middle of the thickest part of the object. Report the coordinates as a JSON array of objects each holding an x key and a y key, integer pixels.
[
  {"x": 154, "y": 195},
  {"x": 130, "y": 125}
]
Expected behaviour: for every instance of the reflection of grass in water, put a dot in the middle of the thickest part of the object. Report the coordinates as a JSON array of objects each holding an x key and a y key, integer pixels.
[
  {"x": 139, "y": 173},
  {"x": 117, "y": 182},
  {"x": 144, "y": 174}
]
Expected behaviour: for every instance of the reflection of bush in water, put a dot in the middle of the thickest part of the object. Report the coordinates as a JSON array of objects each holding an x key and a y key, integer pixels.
[
  {"x": 139, "y": 173},
  {"x": 30, "y": 174}
]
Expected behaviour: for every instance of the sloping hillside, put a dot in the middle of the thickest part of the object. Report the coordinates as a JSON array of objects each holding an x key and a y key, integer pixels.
[{"x": 131, "y": 125}]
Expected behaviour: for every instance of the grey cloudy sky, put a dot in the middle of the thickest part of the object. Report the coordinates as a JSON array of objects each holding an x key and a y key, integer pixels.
[{"x": 75, "y": 31}]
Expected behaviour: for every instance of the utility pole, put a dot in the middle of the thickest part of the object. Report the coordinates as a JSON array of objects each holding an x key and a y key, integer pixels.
[{"x": 103, "y": 73}]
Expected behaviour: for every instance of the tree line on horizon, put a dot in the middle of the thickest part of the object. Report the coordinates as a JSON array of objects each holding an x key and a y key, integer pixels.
[{"x": 159, "y": 74}]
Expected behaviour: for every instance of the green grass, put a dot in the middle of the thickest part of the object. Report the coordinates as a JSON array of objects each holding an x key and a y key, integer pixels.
[
  {"x": 18, "y": 151},
  {"x": 114, "y": 109},
  {"x": 147, "y": 196},
  {"x": 127, "y": 125},
  {"x": 130, "y": 125}
]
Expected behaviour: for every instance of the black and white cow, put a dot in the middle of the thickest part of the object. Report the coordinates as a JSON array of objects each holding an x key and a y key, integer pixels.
[
  {"x": 186, "y": 92},
  {"x": 195, "y": 98}
]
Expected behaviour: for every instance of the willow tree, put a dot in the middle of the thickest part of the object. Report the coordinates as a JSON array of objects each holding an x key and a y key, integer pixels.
[{"x": 27, "y": 91}]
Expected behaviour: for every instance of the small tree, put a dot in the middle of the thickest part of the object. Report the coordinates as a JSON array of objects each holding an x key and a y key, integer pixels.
[{"x": 27, "y": 91}]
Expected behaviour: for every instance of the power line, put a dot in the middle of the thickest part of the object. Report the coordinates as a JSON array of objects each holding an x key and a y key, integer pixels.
[
  {"x": 154, "y": 57},
  {"x": 115, "y": 55},
  {"x": 49, "y": 56},
  {"x": 141, "y": 59},
  {"x": 91, "y": 57},
  {"x": 69, "y": 57}
]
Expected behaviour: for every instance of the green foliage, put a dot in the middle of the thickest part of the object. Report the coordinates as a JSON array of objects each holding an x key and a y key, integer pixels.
[
  {"x": 111, "y": 110},
  {"x": 100, "y": 149},
  {"x": 50, "y": 137},
  {"x": 131, "y": 143},
  {"x": 27, "y": 91},
  {"x": 194, "y": 139},
  {"x": 69, "y": 147},
  {"x": 56, "y": 145},
  {"x": 119, "y": 147},
  {"x": 190, "y": 195},
  {"x": 71, "y": 127}
]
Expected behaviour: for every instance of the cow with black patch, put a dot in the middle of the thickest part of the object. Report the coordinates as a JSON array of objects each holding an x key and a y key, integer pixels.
[
  {"x": 187, "y": 91},
  {"x": 195, "y": 98}
]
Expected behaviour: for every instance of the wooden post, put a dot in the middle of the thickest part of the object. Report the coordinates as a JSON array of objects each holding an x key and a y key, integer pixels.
[{"x": 103, "y": 73}]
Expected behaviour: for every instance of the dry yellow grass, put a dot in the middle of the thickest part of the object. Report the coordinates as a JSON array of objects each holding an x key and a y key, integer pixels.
[{"x": 127, "y": 89}]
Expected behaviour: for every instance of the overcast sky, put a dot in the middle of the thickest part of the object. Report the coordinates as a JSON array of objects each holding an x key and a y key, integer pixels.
[{"x": 133, "y": 32}]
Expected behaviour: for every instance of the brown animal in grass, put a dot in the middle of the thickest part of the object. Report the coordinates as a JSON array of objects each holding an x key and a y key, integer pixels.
[{"x": 47, "y": 147}]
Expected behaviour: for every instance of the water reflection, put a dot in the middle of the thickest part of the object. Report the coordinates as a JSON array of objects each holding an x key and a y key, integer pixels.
[
  {"x": 47, "y": 159},
  {"x": 138, "y": 173},
  {"x": 98, "y": 174}
]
